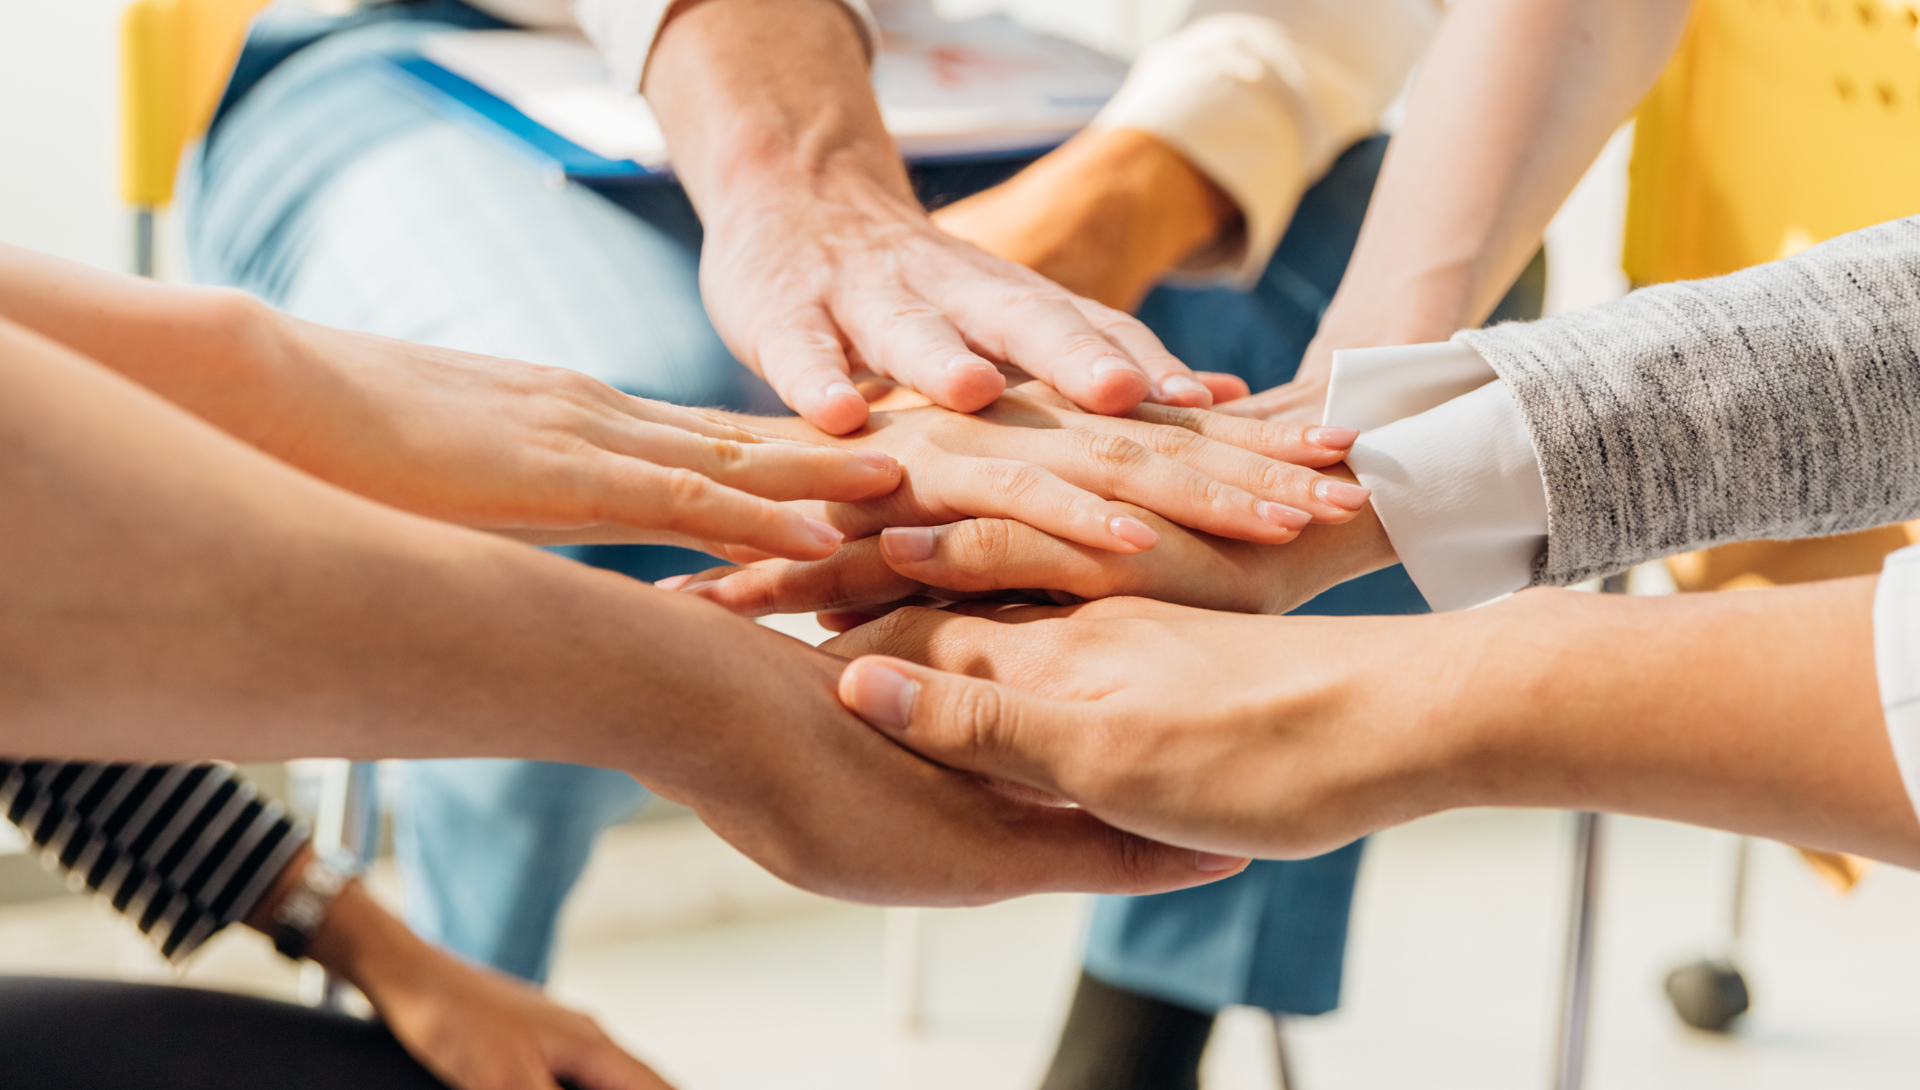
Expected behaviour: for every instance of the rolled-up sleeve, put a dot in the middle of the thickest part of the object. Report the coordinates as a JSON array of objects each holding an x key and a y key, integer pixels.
[
  {"x": 1455, "y": 480},
  {"x": 1263, "y": 95},
  {"x": 625, "y": 30},
  {"x": 1896, "y": 652}
]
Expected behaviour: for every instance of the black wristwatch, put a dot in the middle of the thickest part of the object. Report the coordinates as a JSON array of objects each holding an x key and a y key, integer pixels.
[{"x": 301, "y": 911}]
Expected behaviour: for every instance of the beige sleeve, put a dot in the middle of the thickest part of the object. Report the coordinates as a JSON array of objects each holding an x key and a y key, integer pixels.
[{"x": 1263, "y": 95}]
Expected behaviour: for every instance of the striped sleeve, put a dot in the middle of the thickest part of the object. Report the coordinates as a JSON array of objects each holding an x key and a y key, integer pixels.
[{"x": 182, "y": 850}]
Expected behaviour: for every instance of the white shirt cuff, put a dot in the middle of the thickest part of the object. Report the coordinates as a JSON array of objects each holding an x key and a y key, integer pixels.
[
  {"x": 1896, "y": 654},
  {"x": 624, "y": 31},
  {"x": 1446, "y": 452}
]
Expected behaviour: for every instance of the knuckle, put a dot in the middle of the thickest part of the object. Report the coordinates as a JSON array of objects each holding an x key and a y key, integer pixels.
[
  {"x": 1114, "y": 454},
  {"x": 1172, "y": 442},
  {"x": 727, "y": 455},
  {"x": 1017, "y": 481},
  {"x": 982, "y": 547},
  {"x": 685, "y": 488},
  {"x": 974, "y": 718}
]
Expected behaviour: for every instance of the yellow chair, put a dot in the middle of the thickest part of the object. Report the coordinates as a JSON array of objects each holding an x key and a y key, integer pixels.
[
  {"x": 175, "y": 57},
  {"x": 1778, "y": 124}
]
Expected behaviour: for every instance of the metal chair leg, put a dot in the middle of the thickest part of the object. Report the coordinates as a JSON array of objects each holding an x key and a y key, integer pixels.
[
  {"x": 1576, "y": 996},
  {"x": 143, "y": 241}
]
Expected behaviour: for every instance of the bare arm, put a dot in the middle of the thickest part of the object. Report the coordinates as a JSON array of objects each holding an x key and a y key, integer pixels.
[
  {"x": 1513, "y": 102},
  {"x": 1755, "y": 712},
  {"x": 489, "y": 443},
  {"x": 818, "y": 258},
  {"x": 167, "y": 592}
]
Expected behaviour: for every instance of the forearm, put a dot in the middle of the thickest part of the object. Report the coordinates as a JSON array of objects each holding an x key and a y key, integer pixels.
[
  {"x": 1514, "y": 101},
  {"x": 211, "y": 350},
  {"x": 1754, "y": 711},
  {"x": 769, "y": 100},
  {"x": 170, "y": 593}
]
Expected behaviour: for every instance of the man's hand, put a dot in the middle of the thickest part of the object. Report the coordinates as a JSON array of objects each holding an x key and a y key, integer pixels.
[
  {"x": 1251, "y": 734},
  {"x": 818, "y": 259}
]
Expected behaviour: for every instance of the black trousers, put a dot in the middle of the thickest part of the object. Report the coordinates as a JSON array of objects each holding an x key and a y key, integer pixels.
[{"x": 60, "y": 1034}]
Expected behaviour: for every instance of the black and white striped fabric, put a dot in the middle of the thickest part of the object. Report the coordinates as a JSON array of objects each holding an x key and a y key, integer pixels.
[{"x": 182, "y": 850}]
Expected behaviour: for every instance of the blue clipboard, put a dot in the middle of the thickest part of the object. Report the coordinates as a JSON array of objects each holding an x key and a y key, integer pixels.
[{"x": 566, "y": 160}]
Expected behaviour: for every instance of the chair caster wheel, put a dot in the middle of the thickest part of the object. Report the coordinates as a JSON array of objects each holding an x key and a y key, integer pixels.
[{"x": 1708, "y": 995}]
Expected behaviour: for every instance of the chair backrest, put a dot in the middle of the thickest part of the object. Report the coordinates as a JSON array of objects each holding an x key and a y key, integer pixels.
[
  {"x": 1779, "y": 124},
  {"x": 175, "y": 56}
]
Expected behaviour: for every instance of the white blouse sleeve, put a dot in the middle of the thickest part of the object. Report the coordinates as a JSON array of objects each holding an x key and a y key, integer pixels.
[
  {"x": 1454, "y": 477},
  {"x": 1263, "y": 95},
  {"x": 1896, "y": 653},
  {"x": 625, "y": 30}
]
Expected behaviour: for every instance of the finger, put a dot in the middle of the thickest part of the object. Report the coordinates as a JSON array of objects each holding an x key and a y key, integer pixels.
[
  {"x": 1006, "y": 488},
  {"x": 982, "y": 556},
  {"x": 603, "y": 1065},
  {"x": 681, "y": 501},
  {"x": 1038, "y": 328},
  {"x": 775, "y": 471},
  {"x": 1171, "y": 381},
  {"x": 1277, "y": 502},
  {"x": 910, "y": 341},
  {"x": 1297, "y": 444},
  {"x": 987, "y": 728},
  {"x": 854, "y": 578},
  {"x": 1222, "y": 386},
  {"x": 806, "y": 365}
]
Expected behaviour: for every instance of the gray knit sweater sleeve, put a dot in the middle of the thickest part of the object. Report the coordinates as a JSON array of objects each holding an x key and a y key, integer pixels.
[{"x": 1779, "y": 402}]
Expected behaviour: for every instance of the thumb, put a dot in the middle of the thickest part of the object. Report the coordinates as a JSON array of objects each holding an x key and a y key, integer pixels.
[{"x": 966, "y": 723}]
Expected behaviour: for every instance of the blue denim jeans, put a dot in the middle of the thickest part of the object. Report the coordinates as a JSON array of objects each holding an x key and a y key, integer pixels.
[{"x": 332, "y": 188}]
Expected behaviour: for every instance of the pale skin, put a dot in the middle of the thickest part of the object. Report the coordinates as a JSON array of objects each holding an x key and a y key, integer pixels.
[
  {"x": 1755, "y": 712},
  {"x": 172, "y": 593},
  {"x": 547, "y": 455},
  {"x": 818, "y": 259},
  {"x": 475, "y": 1029}
]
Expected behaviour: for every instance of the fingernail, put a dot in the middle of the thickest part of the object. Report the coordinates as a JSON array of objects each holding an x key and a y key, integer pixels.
[
  {"x": 1209, "y": 863},
  {"x": 1132, "y": 531},
  {"x": 884, "y": 696},
  {"x": 1279, "y": 514},
  {"x": 1341, "y": 494},
  {"x": 1106, "y": 365},
  {"x": 1182, "y": 387},
  {"x": 825, "y": 534},
  {"x": 672, "y": 582},
  {"x": 878, "y": 460},
  {"x": 1332, "y": 438},
  {"x": 907, "y": 544},
  {"x": 840, "y": 389}
]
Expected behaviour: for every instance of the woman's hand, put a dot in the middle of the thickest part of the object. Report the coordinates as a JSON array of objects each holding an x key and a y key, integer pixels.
[
  {"x": 493, "y": 444},
  {"x": 1034, "y": 458},
  {"x": 545, "y": 454},
  {"x": 991, "y": 557}
]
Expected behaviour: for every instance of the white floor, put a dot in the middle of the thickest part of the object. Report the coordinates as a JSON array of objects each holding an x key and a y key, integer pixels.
[{"x": 1451, "y": 982}]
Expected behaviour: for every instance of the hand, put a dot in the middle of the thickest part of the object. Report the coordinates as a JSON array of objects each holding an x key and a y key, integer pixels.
[
  {"x": 1105, "y": 215},
  {"x": 781, "y": 770},
  {"x": 818, "y": 259},
  {"x": 541, "y": 453},
  {"x": 1270, "y": 737},
  {"x": 1301, "y": 401},
  {"x": 473, "y": 1028},
  {"x": 987, "y": 557}
]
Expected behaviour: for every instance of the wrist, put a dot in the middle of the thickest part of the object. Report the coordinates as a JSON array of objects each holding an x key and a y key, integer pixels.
[{"x": 367, "y": 946}]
